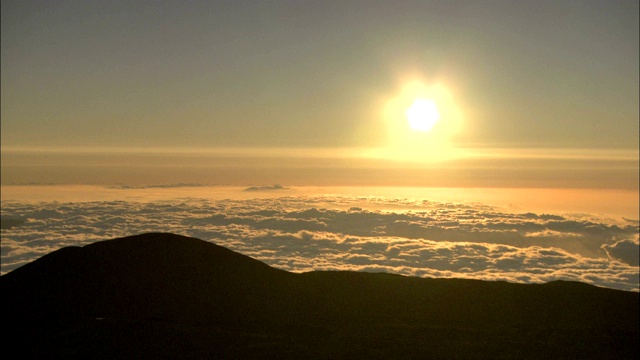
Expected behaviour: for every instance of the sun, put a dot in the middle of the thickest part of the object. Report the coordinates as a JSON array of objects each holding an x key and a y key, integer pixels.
[
  {"x": 422, "y": 120},
  {"x": 422, "y": 115}
]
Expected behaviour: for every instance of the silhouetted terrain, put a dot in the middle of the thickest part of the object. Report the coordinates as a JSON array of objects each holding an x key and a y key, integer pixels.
[{"x": 169, "y": 296}]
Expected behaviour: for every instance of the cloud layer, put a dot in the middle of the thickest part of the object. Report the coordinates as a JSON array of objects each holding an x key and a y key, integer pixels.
[{"x": 303, "y": 233}]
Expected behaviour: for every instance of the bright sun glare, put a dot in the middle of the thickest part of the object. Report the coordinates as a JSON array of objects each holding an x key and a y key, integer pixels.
[
  {"x": 423, "y": 114},
  {"x": 422, "y": 120}
]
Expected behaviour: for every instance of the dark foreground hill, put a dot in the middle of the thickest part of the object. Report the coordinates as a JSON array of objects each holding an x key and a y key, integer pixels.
[{"x": 167, "y": 296}]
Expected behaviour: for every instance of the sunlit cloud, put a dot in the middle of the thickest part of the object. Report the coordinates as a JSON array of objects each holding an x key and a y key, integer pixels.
[
  {"x": 627, "y": 251},
  {"x": 304, "y": 233}
]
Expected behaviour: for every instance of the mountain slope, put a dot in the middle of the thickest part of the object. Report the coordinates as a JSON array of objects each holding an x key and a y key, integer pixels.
[{"x": 170, "y": 296}]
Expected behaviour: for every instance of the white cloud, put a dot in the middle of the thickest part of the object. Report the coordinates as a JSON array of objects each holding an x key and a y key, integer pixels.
[{"x": 303, "y": 233}]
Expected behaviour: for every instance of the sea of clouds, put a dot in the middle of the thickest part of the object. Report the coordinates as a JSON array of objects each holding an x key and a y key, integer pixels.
[{"x": 378, "y": 234}]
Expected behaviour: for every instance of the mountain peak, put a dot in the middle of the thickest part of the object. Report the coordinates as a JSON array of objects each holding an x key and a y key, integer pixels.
[{"x": 135, "y": 292}]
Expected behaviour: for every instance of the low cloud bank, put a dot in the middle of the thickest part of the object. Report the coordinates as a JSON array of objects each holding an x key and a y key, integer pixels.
[{"x": 303, "y": 233}]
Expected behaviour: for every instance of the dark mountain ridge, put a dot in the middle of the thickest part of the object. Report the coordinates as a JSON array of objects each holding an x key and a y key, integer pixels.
[{"x": 168, "y": 296}]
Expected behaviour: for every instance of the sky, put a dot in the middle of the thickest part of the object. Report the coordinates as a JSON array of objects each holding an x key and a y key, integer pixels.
[
  {"x": 327, "y": 78},
  {"x": 531, "y": 108}
]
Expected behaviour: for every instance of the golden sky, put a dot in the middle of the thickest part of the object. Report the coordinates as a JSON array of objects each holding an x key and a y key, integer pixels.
[{"x": 528, "y": 93}]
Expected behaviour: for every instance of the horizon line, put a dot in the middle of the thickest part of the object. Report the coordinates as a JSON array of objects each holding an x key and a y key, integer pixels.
[{"x": 556, "y": 153}]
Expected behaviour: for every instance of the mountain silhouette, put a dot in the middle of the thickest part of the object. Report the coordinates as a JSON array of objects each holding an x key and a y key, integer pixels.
[{"x": 167, "y": 296}]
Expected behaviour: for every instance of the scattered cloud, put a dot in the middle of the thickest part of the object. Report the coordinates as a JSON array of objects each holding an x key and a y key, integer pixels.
[
  {"x": 158, "y": 186},
  {"x": 8, "y": 223},
  {"x": 304, "y": 233},
  {"x": 627, "y": 251},
  {"x": 266, "y": 188}
]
